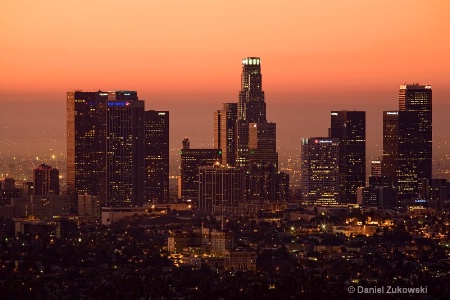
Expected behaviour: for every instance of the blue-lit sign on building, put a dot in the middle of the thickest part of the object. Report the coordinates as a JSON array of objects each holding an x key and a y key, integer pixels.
[{"x": 118, "y": 103}]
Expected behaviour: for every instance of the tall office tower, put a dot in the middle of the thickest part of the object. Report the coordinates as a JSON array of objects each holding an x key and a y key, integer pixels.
[
  {"x": 46, "y": 180},
  {"x": 157, "y": 156},
  {"x": 350, "y": 128},
  {"x": 251, "y": 107},
  {"x": 390, "y": 145},
  {"x": 105, "y": 147},
  {"x": 125, "y": 148},
  {"x": 220, "y": 186},
  {"x": 191, "y": 160},
  {"x": 320, "y": 170},
  {"x": 86, "y": 145},
  {"x": 415, "y": 138},
  {"x": 225, "y": 132}
]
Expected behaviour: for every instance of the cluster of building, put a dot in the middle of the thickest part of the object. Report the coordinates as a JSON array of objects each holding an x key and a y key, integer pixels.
[
  {"x": 118, "y": 160},
  {"x": 333, "y": 168}
]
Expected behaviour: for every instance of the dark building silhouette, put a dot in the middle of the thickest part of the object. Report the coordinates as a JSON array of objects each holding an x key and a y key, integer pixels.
[
  {"x": 125, "y": 149},
  {"x": 86, "y": 145},
  {"x": 350, "y": 128},
  {"x": 320, "y": 170},
  {"x": 157, "y": 156},
  {"x": 225, "y": 132},
  {"x": 251, "y": 107},
  {"x": 414, "y": 139},
  {"x": 45, "y": 180},
  {"x": 191, "y": 160},
  {"x": 220, "y": 186},
  {"x": 389, "y": 166}
]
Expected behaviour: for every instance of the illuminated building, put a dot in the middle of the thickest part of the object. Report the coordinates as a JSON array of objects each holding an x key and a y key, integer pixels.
[
  {"x": 320, "y": 170},
  {"x": 390, "y": 145},
  {"x": 46, "y": 180},
  {"x": 105, "y": 147},
  {"x": 251, "y": 107},
  {"x": 225, "y": 132},
  {"x": 191, "y": 160},
  {"x": 157, "y": 156},
  {"x": 86, "y": 145},
  {"x": 125, "y": 149},
  {"x": 350, "y": 128},
  {"x": 220, "y": 186},
  {"x": 414, "y": 139}
]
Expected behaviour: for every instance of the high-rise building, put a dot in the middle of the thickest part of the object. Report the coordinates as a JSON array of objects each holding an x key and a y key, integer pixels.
[
  {"x": 220, "y": 186},
  {"x": 105, "y": 147},
  {"x": 191, "y": 160},
  {"x": 251, "y": 107},
  {"x": 46, "y": 180},
  {"x": 86, "y": 145},
  {"x": 350, "y": 128},
  {"x": 157, "y": 156},
  {"x": 389, "y": 166},
  {"x": 225, "y": 132},
  {"x": 320, "y": 170},
  {"x": 125, "y": 149},
  {"x": 414, "y": 139}
]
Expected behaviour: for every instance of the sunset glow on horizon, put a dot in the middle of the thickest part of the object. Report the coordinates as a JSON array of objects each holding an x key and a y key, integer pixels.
[{"x": 175, "y": 50}]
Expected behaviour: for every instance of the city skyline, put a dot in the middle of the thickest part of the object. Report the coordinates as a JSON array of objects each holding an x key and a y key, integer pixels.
[{"x": 311, "y": 54}]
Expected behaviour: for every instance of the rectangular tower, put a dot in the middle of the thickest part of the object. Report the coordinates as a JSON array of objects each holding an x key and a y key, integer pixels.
[
  {"x": 418, "y": 98},
  {"x": 86, "y": 145},
  {"x": 45, "y": 180},
  {"x": 350, "y": 128},
  {"x": 156, "y": 156},
  {"x": 320, "y": 170},
  {"x": 125, "y": 149},
  {"x": 390, "y": 145},
  {"x": 225, "y": 132}
]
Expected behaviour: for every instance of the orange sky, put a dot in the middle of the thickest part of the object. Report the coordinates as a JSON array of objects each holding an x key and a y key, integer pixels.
[{"x": 191, "y": 50}]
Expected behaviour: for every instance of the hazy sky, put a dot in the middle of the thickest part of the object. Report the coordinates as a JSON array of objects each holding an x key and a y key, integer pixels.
[{"x": 316, "y": 55}]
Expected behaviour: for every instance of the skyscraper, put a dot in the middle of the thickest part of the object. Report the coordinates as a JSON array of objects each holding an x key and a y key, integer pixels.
[
  {"x": 225, "y": 132},
  {"x": 350, "y": 128},
  {"x": 157, "y": 156},
  {"x": 389, "y": 166},
  {"x": 46, "y": 180},
  {"x": 251, "y": 107},
  {"x": 415, "y": 138},
  {"x": 86, "y": 145},
  {"x": 125, "y": 149},
  {"x": 105, "y": 147},
  {"x": 320, "y": 170}
]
